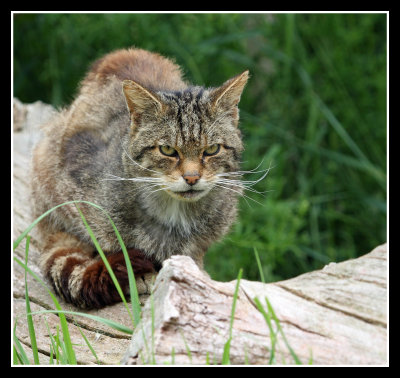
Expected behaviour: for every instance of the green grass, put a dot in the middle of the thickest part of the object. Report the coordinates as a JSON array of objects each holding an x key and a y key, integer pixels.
[
  {"x": 314, "y": 109},
  {"x": 68, "y": 351},
  {"x": 67, "y": 354},
  {"x": 227, "y": 346}
]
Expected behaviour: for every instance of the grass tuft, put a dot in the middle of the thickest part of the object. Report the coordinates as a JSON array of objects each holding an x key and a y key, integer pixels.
[{"x": 67, "y": 354}]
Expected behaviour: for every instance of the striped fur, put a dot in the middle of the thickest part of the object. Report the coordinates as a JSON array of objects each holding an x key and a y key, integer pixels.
[
  {"x": 82, "y": 279},
  {"x": 106, "y": 148}
]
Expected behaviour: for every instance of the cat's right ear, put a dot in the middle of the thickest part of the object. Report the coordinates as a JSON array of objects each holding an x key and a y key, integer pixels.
[
  {"x": 228, "y": 94},
  {"x": 139, "y": 99}
]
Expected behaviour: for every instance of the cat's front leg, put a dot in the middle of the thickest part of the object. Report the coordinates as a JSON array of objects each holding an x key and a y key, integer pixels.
[{"x": 80, "y": 276}]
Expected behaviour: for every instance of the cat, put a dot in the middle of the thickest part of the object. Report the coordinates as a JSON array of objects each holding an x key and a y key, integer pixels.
[{"x": 150, "y": 149}]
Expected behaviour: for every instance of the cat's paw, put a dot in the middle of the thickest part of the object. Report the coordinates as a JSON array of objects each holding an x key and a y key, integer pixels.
[{"x": 145, "y": 283}]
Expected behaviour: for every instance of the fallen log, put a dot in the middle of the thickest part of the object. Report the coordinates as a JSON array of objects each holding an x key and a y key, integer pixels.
[{"x": 333, "y": 316}]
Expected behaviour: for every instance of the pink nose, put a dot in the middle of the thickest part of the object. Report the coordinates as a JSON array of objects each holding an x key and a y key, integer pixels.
[{"x": 191, "y": 178}]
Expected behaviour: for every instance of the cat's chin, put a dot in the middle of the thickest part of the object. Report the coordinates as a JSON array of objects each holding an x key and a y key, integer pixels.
[{"x": 188, "y": 196}]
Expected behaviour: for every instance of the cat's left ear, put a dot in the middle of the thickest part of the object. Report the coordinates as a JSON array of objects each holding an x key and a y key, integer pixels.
[
  {"x": 140, "y": 99},
  {"x": 227, "y": 96}
]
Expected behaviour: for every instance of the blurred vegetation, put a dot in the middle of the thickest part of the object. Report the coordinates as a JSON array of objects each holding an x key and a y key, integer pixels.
[{"x": 314, "y": 109}]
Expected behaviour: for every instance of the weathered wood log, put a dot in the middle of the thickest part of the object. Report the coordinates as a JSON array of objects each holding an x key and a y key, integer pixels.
[{"x": 336, "y": 315}]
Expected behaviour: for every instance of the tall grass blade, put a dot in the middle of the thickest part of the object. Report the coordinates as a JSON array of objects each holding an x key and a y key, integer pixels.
[
  {"x": 105, "y": 261},
  {"x": 135, "y": 302},
  {"x": 51, "y": 359},
  {"x": 16, "y": 359},
  {"x": 110, "y": 323},
  {"x": 63, "y": 320},
  {"x": 20, "y": 353},
  {"x": 226, "y": 353},
  {"x": 267, "y": 317},
  {"x": 37, "y": 220},
  {"x": 31, "y": 328},
  {"x": 227, "y": 346},
  {"x": 189, "y": 353},
  {"x": 278, "y": 324},
  {"x": 88, "y": 345},
  {"x": 53, "y": 348},
  {"x": 173, "y": 356},
  {"x": 272, "y": 334},
  {"x": 63, "y": 358},
  {"x": 259, "y": 265},
  {"x": 69, "y": 351},
  {"x": 134, "y": 295}
]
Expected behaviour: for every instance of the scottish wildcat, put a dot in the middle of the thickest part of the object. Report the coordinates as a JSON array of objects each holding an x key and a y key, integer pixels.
[{"x": 152, "y": 151}]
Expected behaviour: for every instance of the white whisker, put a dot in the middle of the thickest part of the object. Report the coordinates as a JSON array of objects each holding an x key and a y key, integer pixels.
[
  {"x": 232, "y": 180},
  {"x": 244, "y": 184},
  {"x": 145, "y": 183},
  {"x": 154, "y": 191},
  {"x": 240, "y": 184},
  {"x": 232, "y": 190},
  {"x": 242, "y": 173},
  {"x": 241, "y": 194},
  {"x": 134, "y": 179}
]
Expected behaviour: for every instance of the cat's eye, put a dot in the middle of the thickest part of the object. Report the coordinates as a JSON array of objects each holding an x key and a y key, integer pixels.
[
  {"x": 212, "y": 150},
  {"x": 168, "y": 151}
]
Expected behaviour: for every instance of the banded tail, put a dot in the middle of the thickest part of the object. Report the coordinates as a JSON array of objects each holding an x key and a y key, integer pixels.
[{"x": 79, "y": 275}]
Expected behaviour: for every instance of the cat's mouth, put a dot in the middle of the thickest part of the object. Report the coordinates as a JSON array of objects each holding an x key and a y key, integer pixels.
[{"x": 188, "y": 195}]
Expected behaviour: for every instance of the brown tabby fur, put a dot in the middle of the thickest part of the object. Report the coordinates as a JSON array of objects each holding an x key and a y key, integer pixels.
[{"x": 105, "y": 148}]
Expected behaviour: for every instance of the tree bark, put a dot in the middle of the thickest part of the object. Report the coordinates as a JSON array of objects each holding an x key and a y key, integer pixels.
[{"x": 334, "y": 316}]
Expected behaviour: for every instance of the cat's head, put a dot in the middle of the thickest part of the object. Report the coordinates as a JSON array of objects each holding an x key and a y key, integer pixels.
[{"x": 184, "y": 139}]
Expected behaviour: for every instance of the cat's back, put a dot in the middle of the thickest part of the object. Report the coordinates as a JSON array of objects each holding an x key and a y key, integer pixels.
[{"x": 147, "y": 68}]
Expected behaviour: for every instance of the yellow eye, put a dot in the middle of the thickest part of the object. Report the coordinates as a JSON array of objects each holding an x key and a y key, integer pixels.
[
  {"x": 168, "y": 151},
  {"x": 212, "y": 150}
]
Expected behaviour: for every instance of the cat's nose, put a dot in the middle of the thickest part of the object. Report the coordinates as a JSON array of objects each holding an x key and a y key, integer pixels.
[{"x": 191, "y": 178}]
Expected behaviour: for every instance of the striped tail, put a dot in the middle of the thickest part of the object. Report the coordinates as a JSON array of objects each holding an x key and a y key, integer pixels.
[{"x": 81, "y": 278}]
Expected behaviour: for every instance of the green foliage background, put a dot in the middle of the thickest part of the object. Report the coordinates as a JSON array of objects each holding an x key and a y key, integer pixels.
[{"x": 314, "y": 109}]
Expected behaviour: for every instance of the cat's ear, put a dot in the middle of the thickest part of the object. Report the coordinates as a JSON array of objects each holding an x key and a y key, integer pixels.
[
  {"x": 140, "y": 99},
  {"x": 228, "y": 94}
]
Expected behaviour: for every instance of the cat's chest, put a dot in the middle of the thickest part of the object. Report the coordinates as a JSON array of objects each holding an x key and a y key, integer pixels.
[
  {"x": 159, "y": 218},
  {"x": 175, "y": 215}
]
